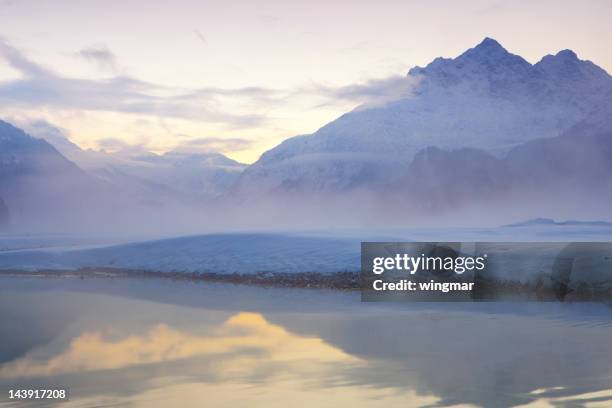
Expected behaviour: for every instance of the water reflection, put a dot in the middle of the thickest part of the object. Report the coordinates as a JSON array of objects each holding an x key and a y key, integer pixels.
[
  {"x": 245, "y": 339},
  {"x": 255, "y": 347}
]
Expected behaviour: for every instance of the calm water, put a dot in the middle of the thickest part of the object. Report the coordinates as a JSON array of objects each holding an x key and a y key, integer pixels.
[{"x": 158, "y": 343}]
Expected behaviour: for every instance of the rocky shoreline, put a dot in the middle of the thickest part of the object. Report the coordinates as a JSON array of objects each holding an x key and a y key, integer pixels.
[
  {"x": 315, "y": 280},
  {"x": 484, "y": 289}
]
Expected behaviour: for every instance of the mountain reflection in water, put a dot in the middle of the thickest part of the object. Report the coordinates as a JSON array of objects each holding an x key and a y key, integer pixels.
[{"x": 158, "y": 343}]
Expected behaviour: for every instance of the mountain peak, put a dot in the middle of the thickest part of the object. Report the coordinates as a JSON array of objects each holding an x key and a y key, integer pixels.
[
  {"x": 489, "y": 42},
  {"x": 486, "y": 60},
  {"x": 489, "y": 50},
  {"x": 567, "y": 55},
  {"x": 566, "y": 64}
]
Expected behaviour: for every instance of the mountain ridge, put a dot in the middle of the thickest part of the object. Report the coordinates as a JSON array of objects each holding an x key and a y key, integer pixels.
[
  {"x": 41, "y": 187},
  {"x": 175, "y": 176},
  {"x": 486, "y": 98},
  {"x": 485, "y": 130}
]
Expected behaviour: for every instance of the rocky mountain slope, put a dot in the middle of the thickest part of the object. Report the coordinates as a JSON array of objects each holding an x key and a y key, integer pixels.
[{"x": 570, "y": 171}]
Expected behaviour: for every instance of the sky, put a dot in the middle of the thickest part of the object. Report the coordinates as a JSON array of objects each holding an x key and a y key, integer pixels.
[{"x": 239, "y": 77}]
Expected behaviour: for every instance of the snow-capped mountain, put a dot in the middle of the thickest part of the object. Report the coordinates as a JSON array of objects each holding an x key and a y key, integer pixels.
[
  {"x": 22, "y": 154},
  {"x": 486, "y": 130},
  {"x": 37, "y": 182},
  {"x": 45, "y": 190},
  {"x": 184, "y": 176},
  {"x": 171, "y": 177},
  {"x": 486, "y": 99}
]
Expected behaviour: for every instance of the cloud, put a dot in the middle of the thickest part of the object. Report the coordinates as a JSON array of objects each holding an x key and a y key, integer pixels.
[
  {"x": 18, "y": 61},
  {"x": 231, "y": 108},
  {"x": 42, "y": 88},
  {"x": 55, "y": 135},
  {"x": 374, "y": 92},
  {"x": 215, "y": 144},
  {"x": 200, "y": 36},
  {"x": 114, "y": 145},
  {"x": 42, "y": 129},
  {"x": 101, "y": 56},
  {"x": 188, "y": 146}
]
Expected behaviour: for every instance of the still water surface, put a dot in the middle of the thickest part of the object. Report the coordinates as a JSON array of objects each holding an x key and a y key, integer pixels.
[{"x": 158, "y": 343}]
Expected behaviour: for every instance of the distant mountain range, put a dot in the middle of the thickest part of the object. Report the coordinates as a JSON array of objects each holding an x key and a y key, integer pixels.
[
  {"x": 486, "y": 131},
  {"x": 549, "y": 221},
  {"x": 173, "y": 176},
  {"x": 41, "y": 187}
]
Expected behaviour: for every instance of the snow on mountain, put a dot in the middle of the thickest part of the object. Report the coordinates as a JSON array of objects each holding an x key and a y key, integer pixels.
[
  {"x": 194, "y": 176},
  {"x": 486, "y": 98},
  {"x": 22, "y": 154},
  {"x": 40, "y": 185},
  {"x": 174, "y": 176},
  {"x": 44, "y": 191}
]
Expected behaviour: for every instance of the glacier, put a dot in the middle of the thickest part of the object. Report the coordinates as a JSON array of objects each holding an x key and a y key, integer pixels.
[{"x": 324, "y": 252}]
